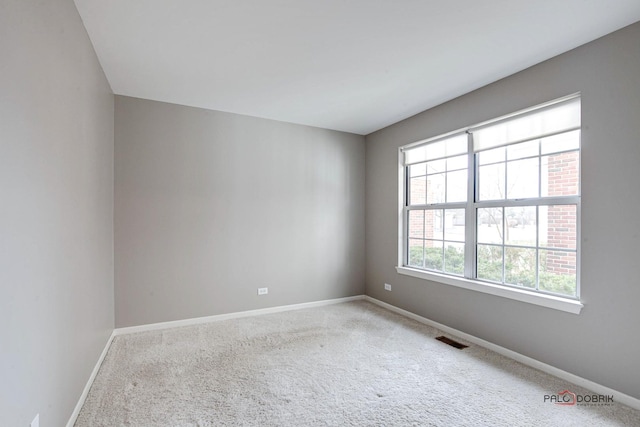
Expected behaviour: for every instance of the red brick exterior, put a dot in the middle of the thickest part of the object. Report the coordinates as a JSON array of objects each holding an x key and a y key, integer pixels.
[{"x": 562, "y": 173}]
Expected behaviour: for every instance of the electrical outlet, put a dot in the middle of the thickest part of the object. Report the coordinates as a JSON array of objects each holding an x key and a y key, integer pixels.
[
  {"x": 36, "y": 421},
  {"x": 263, "y": 291},
  {"x": 387, "y": 287}
]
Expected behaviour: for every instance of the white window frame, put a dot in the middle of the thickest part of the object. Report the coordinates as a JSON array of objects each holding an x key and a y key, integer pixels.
[{"x": 562, "y": 303}]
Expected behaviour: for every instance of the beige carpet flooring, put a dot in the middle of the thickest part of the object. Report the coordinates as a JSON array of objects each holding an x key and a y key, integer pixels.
[{"x": 350, "y": 364}]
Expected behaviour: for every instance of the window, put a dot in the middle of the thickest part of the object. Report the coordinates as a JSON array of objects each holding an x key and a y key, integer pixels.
[{"x": 495, "y": 207}]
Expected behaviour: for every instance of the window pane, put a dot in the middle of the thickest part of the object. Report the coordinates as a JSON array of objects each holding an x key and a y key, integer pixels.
[
  {"x": 433, "y": 254},
  {"x": 417, "y": 191},
  {"x": 522, "y": 179},
  {"x": 558, "y": 226},
  {"x": 436, "y": 166},
  {"x": 416, "y": 253},
  {"x": 560, "y": 174},
  {"x": 435, "y": 188},
  {"x": 490, "y": 263},
  {"x": 562, "y": 142},
  {"x": 524, "y": 149},
  {"x": 557, "y": 118},
  {"x": 489, "y": 225},
  {"x": 491, "y": 156},
  {"x": 457, "y": 186},
  {"x": 520, "y": 267},
  {"x": 454, "y": 258},
  {"x": 491, "y": 183},
  {"x": 457, "y": 144},
  {"x": 521, "y": 226},
  {"x": 433, "y": 224},
  {"x": 417, "y": 169},
  {"x": 448, "y": 147},
  {"x": 558, "y": 272},
  {"x": 451, "y": 146},
  {"x": 454, "y": 225},
  {"x": 414, "y": 155},
  {"x": 436, "y": 150},
  {"x": 416, "y": 224},
  {"x": 459, "y": 162}
]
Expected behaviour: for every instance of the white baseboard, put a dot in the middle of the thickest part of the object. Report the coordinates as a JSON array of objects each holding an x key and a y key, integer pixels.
[
  {"x": 87, "y": 387},
  {"x": 618, "y": 397},
  {"x": 582, "y": 382},
  {"x": 228, "y": 316},
  {"x": 194, "y": 321}
]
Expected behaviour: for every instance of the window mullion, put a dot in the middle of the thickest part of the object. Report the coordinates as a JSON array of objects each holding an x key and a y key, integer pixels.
[
  {"x": 537, "y": 248},
  {"x": 432, "y": 206},
  {"x": 405, "y": 240},
  {"x": 534, "y": 201},
  {"x": 470, "y": 221},
  {"x": 403, "y": 212}
]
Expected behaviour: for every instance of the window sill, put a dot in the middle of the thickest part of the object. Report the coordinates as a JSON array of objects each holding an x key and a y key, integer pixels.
[{"x": 549, "y": 301}]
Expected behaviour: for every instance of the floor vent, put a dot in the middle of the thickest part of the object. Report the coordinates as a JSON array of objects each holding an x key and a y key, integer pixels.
[{"x": 451, "y": 342}]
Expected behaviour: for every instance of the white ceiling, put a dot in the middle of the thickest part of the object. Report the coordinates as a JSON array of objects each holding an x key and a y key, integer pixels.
[{"x": 350, "y": 65}]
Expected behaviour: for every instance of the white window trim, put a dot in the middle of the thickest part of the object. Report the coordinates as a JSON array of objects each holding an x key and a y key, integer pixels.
[{"x": 569, "y": 305}]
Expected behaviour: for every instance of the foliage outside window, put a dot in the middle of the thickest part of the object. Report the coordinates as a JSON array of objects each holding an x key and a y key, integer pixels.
[{"x": 498, "y": 202}]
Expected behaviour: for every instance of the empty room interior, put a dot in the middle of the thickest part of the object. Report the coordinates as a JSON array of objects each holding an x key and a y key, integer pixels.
[{"x": 319, "y": 213}]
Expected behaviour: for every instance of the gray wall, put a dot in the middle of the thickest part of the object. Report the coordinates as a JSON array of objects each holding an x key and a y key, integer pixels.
[
  {"x": 56, "y": 211},
  {"x": 209, "y": 206},
  {"x": 600, "y": 344}
]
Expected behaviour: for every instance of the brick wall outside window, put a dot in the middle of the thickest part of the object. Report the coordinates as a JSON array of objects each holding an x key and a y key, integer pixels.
[{"x": 562, "y": 173}]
